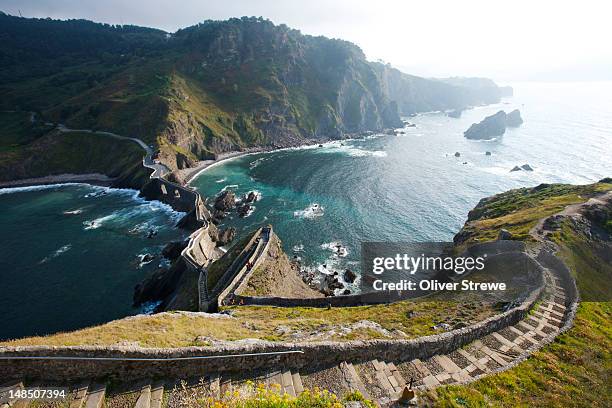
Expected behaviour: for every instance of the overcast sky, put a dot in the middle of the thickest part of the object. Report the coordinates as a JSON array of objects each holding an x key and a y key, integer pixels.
[{"x": 509, "y": 40}]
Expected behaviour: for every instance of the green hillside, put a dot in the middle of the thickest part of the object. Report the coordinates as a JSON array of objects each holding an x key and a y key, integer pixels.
[{"x": 214, "y": 87}]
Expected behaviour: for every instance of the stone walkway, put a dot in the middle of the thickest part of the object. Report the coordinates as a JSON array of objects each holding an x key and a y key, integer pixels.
[{"x": 381, "y": 381}]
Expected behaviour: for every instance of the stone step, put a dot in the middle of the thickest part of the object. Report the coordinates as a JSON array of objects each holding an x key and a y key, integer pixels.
[
  {"x": 157, "y": 394},
  {"x": 506, "y": 344},
  {"x": 297, "y": 383},
  {"x": 548, "y": 317},
  {"x": 215, "y": 385},
  {"x": 95, "y": 395},
  {"x": 80, "y": 393},
  {"x": 287, "y": 383},
  {"x": 473, "y": 360},
  {"x": 352, "y": 379},
  {"x": 398, "y": 376},
  {"x": 382, "y": 375},
  {"x": 144, "y": 399}
]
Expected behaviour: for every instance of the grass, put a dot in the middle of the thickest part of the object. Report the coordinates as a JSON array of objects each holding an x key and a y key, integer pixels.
[
  {"x": 262, "y": 396},
  {"x": 218, "y": 268},
  {"x": 58, "y": 153},
  {"x": 176, "y": 329},
  {"x": 17, "y": 129},
  {"x": 574, "y": 370},
  {"x": 520, "y": 210}
]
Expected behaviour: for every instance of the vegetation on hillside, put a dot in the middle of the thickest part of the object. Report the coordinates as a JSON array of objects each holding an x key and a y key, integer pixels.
[
  {"x": 181, "y": 329},
  {"x": 31, "y": 149},
  {"x": 214, "y": 87},
  {"x": 574, "y": 370},
  {"x": 519, "y": 210}
]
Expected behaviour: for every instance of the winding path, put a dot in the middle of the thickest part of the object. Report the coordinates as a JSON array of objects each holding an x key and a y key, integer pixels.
[
  {"x": 159, "y": 170},
  {"x": 379, "y": 380}
]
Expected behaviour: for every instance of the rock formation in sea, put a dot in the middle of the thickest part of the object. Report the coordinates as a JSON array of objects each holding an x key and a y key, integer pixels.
[
  {"x": 489, "y": 128},
  {"x": 513, "y": 119},
  {"x": 494, "y": 125}
]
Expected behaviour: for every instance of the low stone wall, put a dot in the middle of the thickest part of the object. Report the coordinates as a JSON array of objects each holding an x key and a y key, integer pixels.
[
  {"x": 232, "y": 358},
  {"x": 212, "y": 298}
]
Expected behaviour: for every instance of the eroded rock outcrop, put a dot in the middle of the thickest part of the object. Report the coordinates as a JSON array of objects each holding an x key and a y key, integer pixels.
[
  {"x": 514, "y": 119},
  {"x": 494, "y": 126},
  {"x": 489, "y": 128}
]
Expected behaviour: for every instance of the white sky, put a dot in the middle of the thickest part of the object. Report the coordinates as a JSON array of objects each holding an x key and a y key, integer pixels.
[{"x": 504, "y": 40}]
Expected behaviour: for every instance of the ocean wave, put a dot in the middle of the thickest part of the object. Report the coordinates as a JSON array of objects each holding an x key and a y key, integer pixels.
[
  {"x": 57, "y": 253},
  {"x": 351, "y": 150},
  {"x": 221, "y": 180},
  {"x": 228, "y": 187},
  {"x": 148, "y": 308},
  {"x": 12, "y": 190},
  {"x": 145, "y": 259},
  {"x": 97, "y": 223},
  {"x": 312, "y": 211},
  {"x": 257, "y": 162}
]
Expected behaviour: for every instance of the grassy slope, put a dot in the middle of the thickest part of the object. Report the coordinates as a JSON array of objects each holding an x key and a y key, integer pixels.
[
  {"x": 179, "y": 330},
  {"x": 575, "y": 369},
  {"x": 28, "y": 150},
  {"x": 519, "y": 210}
]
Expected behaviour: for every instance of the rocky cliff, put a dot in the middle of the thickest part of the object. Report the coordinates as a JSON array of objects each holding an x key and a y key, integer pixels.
[{"x": 214, "y": 87}]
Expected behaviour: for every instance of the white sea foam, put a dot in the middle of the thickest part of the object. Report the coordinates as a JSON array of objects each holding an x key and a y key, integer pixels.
[
  {"x": 11, "y": 190},
  {"x": 312, "y": 211},
  {"x": 149, "y": 307},
  {"x": 228, "y": 187},
  {"x": 221, "y": 180},
  {"x": 337, "y": 248},
  {"x": 57, "y": 253},
  {"x": 141, "y": 260},
  {"x": 257, "y": 162}
]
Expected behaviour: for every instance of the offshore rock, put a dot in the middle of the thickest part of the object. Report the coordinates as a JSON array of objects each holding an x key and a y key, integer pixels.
[
  {"x": 489, "y": 128},
  {"x": 513, "y": 119}
]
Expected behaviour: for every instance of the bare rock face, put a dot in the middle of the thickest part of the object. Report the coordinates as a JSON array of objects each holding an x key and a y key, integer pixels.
[
  {"x": 225, "y": 201},
  {"x": 504, "y": 235},
  {"x": 349, "y": 276},
  {"x": 225, "y": 236},
  {"x": 490, "y": 127},
  {"x": 513, "y": 119},
  {"x": 173, "y": 249}
]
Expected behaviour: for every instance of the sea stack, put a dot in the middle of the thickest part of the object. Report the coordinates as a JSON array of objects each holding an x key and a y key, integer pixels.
[
  {"x": 490, "y": 127},
  {"x": 513, "y": 119}
]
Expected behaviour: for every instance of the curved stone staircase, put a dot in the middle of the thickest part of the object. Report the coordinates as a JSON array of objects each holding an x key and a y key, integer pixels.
[{"x": 381, "y": 381}]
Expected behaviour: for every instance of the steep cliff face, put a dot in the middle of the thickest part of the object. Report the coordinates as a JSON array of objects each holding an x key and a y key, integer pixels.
[
  {"x": 414, "y": 94},
  {"x": 211, "y": 88}
]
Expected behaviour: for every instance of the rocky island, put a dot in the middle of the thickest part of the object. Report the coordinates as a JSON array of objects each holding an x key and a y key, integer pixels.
[{"x": 494, "y": 126}]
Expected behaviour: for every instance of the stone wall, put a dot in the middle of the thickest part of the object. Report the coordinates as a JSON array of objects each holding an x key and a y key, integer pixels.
[
  {"x": 212, "y": 298},
  {"x": 199, "y": 361}
]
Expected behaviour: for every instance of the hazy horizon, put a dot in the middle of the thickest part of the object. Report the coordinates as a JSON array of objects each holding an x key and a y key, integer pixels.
[{"x": 523, "y": 41}]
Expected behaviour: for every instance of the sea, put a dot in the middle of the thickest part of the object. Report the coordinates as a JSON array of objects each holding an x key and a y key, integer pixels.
[
  {"x": 412, "y": 186},
  {"x": 70, "y": 255}
]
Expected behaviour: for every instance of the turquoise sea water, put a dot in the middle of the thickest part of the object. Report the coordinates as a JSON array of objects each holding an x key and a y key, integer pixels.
[
  {"x": 411, "y": 187},
  {"x": 69, "y": 255}
]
